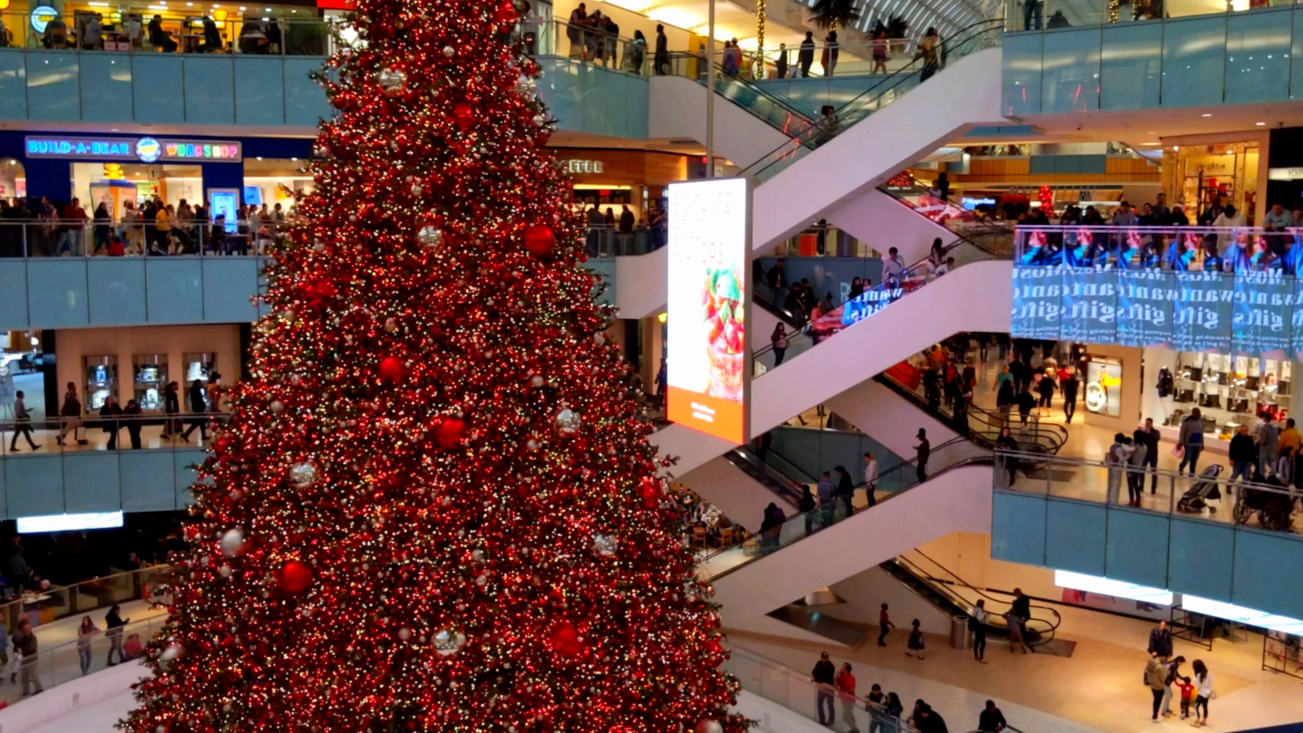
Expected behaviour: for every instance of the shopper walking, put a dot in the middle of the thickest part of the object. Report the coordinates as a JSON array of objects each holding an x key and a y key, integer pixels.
[
  {"x": 827, "y": 500},
  {"x": 923, "y": 451},
  {"x": 1136, "y": 466},
  {"x": 807, "y": 506},
  {"x": 805, "y": 57},
  {"x": 1152, "y": 439},
  {"x": 1069, "y": 386},
  {"x": 1203, "y": 684},
  {"x": 22, "y": 423},
  {"x": 198, "y": 407},
  {"x": 779, "y": 340},
  {"x": 1190, "y": 442},
  {"x": 85, "y": 633},
  {"x": 662, "y": 57},
  {"x": 113, "y": 624},
  {"x": 823, "y": 677},
  {"x": 1267, "y": 436},
  {"x": 927, "y": 50},
  {"x": 915, "y": 645},
  {"x": 870, "y": 478},
  {"x": 1026, "y": 403},
  {"x": 109, "y": 413},
  {"x": 70, "y": 415},
  {"x": 845, "y": 682},
  {"x": 1160, "y": 641},
  {"x": 172, "y": 407},
  {"x": 1173, "y": 673},
  {"x": 977, "y": 624},
  {"x": 884, "y": 625},
  {"x": 133, "y": 415},
  {"x": 1156, "y": 680},
  {"x": 1117, "y": 459},
  {"x": 1243, "y": 453},
  {"x": 845, "y": 490},
  {"x": 29, "y": 671}
]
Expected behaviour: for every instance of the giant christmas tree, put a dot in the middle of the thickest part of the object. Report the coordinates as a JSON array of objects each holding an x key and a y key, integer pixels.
[{"x": 434, "y": 508}]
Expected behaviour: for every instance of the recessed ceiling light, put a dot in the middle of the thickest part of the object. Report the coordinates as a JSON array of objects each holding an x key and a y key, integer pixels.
[
  {"x": 1151, "y": 132},
  {"x": 1143, "y": 144},
  {"x": 1207, "y": 114},
  {"x": 1260, "y": 124}
]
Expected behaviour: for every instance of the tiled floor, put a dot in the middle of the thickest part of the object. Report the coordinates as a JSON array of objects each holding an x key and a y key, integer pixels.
[{"x": 1099, "y": 687}]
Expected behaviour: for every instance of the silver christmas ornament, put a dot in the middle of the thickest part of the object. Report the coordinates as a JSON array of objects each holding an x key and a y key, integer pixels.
[
  {"x": 536, "y": 381},
  {"x": 567, "y": 421},
  {"x": 430, "y": 236},
  {"x": 391, "y": 325},
  {"x": 276, "y": 406},
  {"x": 232, "y": 542},
  {"x": 404, "y": 634},
  {"x": 448, "y": 642},
  {"x": 605, "y": 544},
  {"x": 449, "y": 51},
  {"x": 303, "y": 475},
  {"x": 708, "y": 725},
  {"x": 392, "y": 82}
]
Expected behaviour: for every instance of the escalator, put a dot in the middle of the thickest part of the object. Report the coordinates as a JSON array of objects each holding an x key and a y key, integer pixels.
[
  {"x": 954, "y": 596},
  {"x": 975, "y": 297},
  {"x": 814, "y": 550}
]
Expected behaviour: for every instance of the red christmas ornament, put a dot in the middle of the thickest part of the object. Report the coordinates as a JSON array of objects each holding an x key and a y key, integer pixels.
[
  {"x": 505, "y": 15},
  {"x": 464, "y": 115},
  {"x": 564, "y": 640},
  {"x": 318, "y": 293},
  {"x": 450, "y": 433},
  {"x": 539, "y": 241},
  {"x": 295, "y": 577},
  {"x": 391, "y": 370}
]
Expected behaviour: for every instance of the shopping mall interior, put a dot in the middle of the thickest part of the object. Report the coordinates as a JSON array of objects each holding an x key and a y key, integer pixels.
[{"x": 354, "y": 375}]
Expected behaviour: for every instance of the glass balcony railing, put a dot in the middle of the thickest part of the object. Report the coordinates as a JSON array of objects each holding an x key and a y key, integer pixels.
[
  {"x": 95, "y": 432},
  {"x": 1035, "y": 15},
  {"x": 880, "y": 93},
  {"x": 87, "y": 31},
  {"x": 26, "y": 238},
  {"x": 892, "y": 482},
  {"x": 894, "y": 287},
  {"x": 1178, "y": 248}
]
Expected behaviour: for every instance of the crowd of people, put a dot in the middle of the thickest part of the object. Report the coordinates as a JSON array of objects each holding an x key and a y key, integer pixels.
[
  {"x": 151, "y": 227},
  {"x": 836, "y": 687},
  {"x": 1091, "y": 243},
  {"x": 1163, "y": 672},
  {"x": 611, "y": 234}
]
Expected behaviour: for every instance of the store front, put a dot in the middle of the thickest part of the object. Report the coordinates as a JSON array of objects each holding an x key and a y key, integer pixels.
[
  {"x": 1205, "y": 172},
  {"x": 119, "y": 168},
  {"x": 616, "y": 178}
]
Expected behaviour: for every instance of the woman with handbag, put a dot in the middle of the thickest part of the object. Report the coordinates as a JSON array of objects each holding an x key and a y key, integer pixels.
[{"x": 977, "y": 625}]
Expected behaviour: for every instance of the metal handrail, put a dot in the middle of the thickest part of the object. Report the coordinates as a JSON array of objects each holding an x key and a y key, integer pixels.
[
  {"x": 1074, "y": 462},
  {"x": 908, "y": 273},
  {"x": 10, "y": 610},
  {"x": 980, "y": 456},
  {"x": 942, "y": 586},
  {"x": 892, "y": 81}
]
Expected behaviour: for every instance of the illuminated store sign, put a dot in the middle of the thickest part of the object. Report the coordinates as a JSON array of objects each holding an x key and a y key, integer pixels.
[
  {"x": 66, "y": 522},
  {"x": 583, "y": 166},
  {"x": 1115, "y": 588},
  {"x": 143, "y": 149}
]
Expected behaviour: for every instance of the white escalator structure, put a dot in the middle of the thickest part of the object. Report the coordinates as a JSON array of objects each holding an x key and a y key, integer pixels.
[{"x": 975, "y": 297}]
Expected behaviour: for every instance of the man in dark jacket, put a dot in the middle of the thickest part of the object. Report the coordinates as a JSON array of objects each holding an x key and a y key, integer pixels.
[
  {"x": 991, "y": 720},
  {"x": 930, "y": 721},
  {"x": 198, "y": 406},
  {"x": 1069, "y": 387},
  {"x": 845, "y": 489},
  {"x": 1160, "y": 641},
  {"x": 823, "y": 675},
  {"x": 924, "y": 449},
  {"x": 805, "y": 58},
  {"x": 113, "y": 624},
  {"x": 662, "y": 58},
  {"x": 1026, "y": 402}
]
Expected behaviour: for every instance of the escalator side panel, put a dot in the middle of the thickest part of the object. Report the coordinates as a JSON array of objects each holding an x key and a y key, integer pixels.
[
  {"x": 958, "y": 500},
  {"x": 677, "y": 109},
  {"x": 887, "y": 417},
  {"x": 882, "y": 222}
]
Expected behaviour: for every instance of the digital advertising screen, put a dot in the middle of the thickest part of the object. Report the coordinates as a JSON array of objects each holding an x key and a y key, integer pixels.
[{"x": 709, "y": 364}]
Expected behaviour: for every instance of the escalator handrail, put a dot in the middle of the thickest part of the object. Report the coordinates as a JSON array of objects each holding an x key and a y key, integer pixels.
[
  {"x": 804, "y": 330},
  {"x": 984, "y": 458},
  {"x": 785, "y": 104},
  {"x": 995, "y": 228},
  {"x": 894, "y": 79},
  {"x": 940, "y": 584},
  {"x": 1055, "y": 435},
  {"x": 741, "y": 453}
]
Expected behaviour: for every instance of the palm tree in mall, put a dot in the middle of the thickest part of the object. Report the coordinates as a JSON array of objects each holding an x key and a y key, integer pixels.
[{"x": 834, "y": 14}]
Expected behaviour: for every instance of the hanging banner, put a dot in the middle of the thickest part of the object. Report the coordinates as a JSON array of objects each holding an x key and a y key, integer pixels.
[
  {"x": 1144, "y": 316},
  {"x": 1201, "y": 315},
  {"x": 1037, "y": 303},
  {"x": 1089, "y": 305},
  {"x": 1263, "y": 312}
]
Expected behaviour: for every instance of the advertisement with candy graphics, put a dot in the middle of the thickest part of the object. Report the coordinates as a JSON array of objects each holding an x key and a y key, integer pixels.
[{"x": 709, "y": 359}]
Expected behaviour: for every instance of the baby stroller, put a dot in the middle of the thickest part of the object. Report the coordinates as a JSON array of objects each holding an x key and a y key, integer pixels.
[
  {"x": 1273, "y": 509},
  {"x": 1196, "y": 499}
]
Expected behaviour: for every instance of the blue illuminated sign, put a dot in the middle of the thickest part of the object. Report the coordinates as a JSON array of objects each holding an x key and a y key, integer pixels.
[
  {"x": 225, "y": 202},
  {"x": 144, "y": 149},
  {"x": 41, "y": 17},
  {"x": 148, "y": 149}
]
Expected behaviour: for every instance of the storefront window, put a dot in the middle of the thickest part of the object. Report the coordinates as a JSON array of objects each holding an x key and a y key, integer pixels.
[
  {"x": 1104, "y": 386},
  {"x": 13, "y": 179},
  {"x": 1206, "y": 175},
  {"x": 1230, "y": 390},
  {"x": 101, "y": 380},
  {"x": 119, "y": 183},
  {"x": 150, "y": 377},
  {"x": 274, "y": 181}
]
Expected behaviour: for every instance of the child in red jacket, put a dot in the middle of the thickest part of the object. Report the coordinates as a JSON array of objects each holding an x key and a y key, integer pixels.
[{"x": 1187, "y": 695}]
